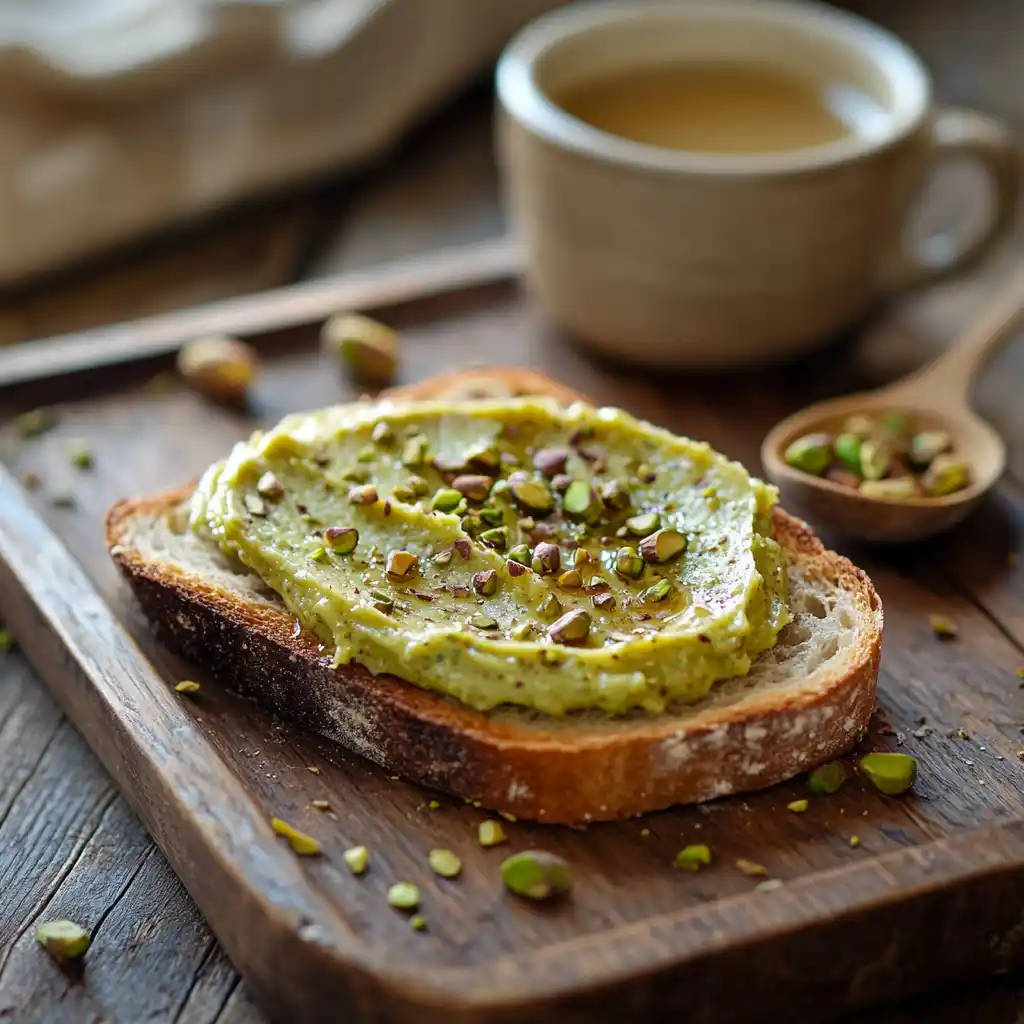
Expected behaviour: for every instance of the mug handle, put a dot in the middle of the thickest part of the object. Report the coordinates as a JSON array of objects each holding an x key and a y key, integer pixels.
[{"x": 954, "y": 132}]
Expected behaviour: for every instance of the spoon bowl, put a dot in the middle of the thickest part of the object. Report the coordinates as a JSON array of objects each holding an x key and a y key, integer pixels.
[{"x": 935, "y": 398}]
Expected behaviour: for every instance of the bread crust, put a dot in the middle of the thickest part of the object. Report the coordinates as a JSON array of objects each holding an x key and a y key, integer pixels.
[{"x": 523, "y": 764}]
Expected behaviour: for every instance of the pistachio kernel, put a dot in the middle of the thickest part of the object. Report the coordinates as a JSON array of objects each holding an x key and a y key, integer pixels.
[
  {"x": 490, "y": 833},
  {"x": 603, "y": 602},
  {"x": 222, "y": 369},
  {"x": 368, "y": 349},
  {"x": 889, "y": 773},
  {"x": 464, "y": 547},
  {"x": 187, "y": 686},
  {"x": 546, "y": 558},
  {"x": 896, "y": 489},
  {"x": 531, "y": 496},
  {"x": 536, "y": 875},
  {"x": 382, "y": 433},
  {"x": 560, "y": 482},
  {"x": 526, "y": 523},
  {"x": 473, "y": 486},
  {"x": 797, "y": 806},
  {"x": 402, "y": 564},
  {"x": 491, "y": 514},
  {"x": 580, "y": 557},
  {"x": 581, "y": 502},
  {"x": 443, "y": 557},
  {"x": 615, "y": 495},
  {"x": 570, "y": 579},
  {"x": 357, "y": 859},
  {"x": 946, "y": 474},
  {"x": 414, "y": 451},
  {"x": 444, "y": 863},
  {"x": 418, "y": 923},
  {"x": 827, "y": 778},
  {"x": 811, "y": 453},
  {"x": 860, "y": 425},
  {"x": 926, "y": 446},
  {"x": 365, "y": 494},
  {"x": 497, "y": 538},
  {"x": 35, "y": 422},
  {"x": 550, "y": 461},
  {"x": 382, "y": 602},
  {"x": 693, "y": 858},
  {"x": 656, "y": 592},
  {"x": 847, "y": 448},
  {"x": 483, "y": 622},
  {"x": 404, "y": 896},
  {"x": 356, "y": 475},
  {"x": 874, "y": 461},
  {"x": 642, "y": 525},
  {"x": 628, "y": 563},
  {"x": 486, "y": 460},
  {"x": 571, "y": 629},
  {"x": 751, "y": 868},
  {"x": 63, "y": 940},
  {"x": 551, "y": 607},
  {"x": 485, "y": 582},
  {"x": 662, "y": 546},
  {"x": 521, "y": 553},
  {"x": 80, "y": 455},
  {"x": 945, "y": 629},
  {"x": 341, "y": 539},
  {"x": 303, "y": 845},
  {"x": 269, "y": 487}
]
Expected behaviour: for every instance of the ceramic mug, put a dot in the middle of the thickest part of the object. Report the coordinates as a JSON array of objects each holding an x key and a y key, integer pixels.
[{"x": 671, "y": 258}]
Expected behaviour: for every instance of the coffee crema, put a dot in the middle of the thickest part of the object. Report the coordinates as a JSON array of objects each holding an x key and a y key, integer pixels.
[{"x": 722, "y": 108}]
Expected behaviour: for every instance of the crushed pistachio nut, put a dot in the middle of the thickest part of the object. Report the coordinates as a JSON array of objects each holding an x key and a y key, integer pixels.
[
  {"x": 444, "y": 863},
  {"x": 404, "y": 896},
  {"x": 490, "y": 833},
  {"x": 446, "y": 499},
  {"x": 473, "y": 486},
  {"x": 382, "y": 602},
  {"x": 656, "y": 592},
  {"x": 382, "y": 433},
  {"x": 581, "y": 502},
  {"x": 889, "y": 773},
  {"x": 269, "y": 487},
  {"x": 693, "y": 857},
  {"x": 550, "y": 461},
  {"x": 662, "y": 546},
  {"x": 497, "y": 537},
  {"x": 414, "y": 452},
  {"x": 536, "y": 875},
  {"x": 751, "y": 868},
  {"x": 368, "y": 349},
  {"x": 35, "y": 422},
  {"x": 642, "y": 525},
  {"x": 187, "y": 686},
  {"x": 365, "y": 494},
  {"x": 521, "y": 553},
  {"x": 6, "y": 641},
  {"x": 485, "y": 582},
  {"x": 570, "y": 579},
  {"x": 222, "y": 369},
  {"x": 811, "y": 453},
  {"x": 945, "y": 629},
  {"x": 63, "y": 940},
  {"x": 547, "y": 558},
  {"x": 418, "y": 923},
  {"x": 628, "y": 563},
  {"x": 827, "y": 778},
  {"x": 946, "y": 474},
  {"x": 573, "y": 628},
  {"x": 615, "y": 495},
  {"x": 341, "y": 539},
  {"x": 402, "y": 564},
  {"x": 320, "y": 805},
  {"x": 483, "y": 622},
  {"x": 305, "y": 846},
  {"x": 357, "y": 859},
  {"x": 855, "y": 841},
  {"x": 531, "y": 496},
  {"x": 80, "y": 455},
  {"x": 797, "y": 806}
]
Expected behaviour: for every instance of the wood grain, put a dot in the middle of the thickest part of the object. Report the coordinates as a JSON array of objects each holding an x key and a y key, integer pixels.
[{"x": 955, "y": 850}]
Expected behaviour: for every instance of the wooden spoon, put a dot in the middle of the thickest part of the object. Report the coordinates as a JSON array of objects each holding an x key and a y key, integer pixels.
[{"x": 936, "y": 397}]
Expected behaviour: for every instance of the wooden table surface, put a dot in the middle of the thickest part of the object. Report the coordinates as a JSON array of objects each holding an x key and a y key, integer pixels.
[{"x": 67, "y": 840}]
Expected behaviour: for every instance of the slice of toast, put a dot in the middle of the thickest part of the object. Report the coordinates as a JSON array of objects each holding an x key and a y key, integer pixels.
[{"x": 804, "y": 702}]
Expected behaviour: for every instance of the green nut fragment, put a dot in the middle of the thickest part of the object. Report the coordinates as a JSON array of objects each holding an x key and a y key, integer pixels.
[
  {"x": 571, "y": 629},
  {"x": 551, "y": 607},
  {"x": 303, "y": 845},
  {"x": 490, "y": 833},
  {"x": 615, "y": 495},
  {"x": 897, "y": 488},
  {"x": 80, "y": 455},
  {"x": 874, "y": 460},
  {"x": 404, "y": 896},
  {"x": 847, "y": 448},
  {"x": 945, "y": 629},
  {"x": 550, "y": 461},
  {"x": 402, "y": 564},
  {"x": 341, "y": 539},
  {"x": 811, "y": 453},
  {"x": 946, "y": 474},
  {"x": 269, "y": 487},
  {"x": 366, "y": 454},
  {"x": 531, "y": 496},
  {"x": 642, "y": 525},
  {"x": 662, "y": 546},
  {"x": 570, "y": 579},
  {"x": 536, "y": 875},
  {"x": 547, "y": 558},
  {"x": 443, "y": 557},
  {"x": 382, "y": 602},
  {"x": 63, "y": 940},
  {"x": 891, "y": 774},
  {"x": 382, "y": 433},
  {"x": 656, "y": 592},
  {"x": 418, "y": 923},
  {"x": 581, "y": 502},
  {"x": 368, "y": 349},
  {"x": 35, "y": 422},
  {"x": 521, "y": 553},
  {"x": 860, "y": 425},
  {"x": 751, "y": 868},
  {"x": 414, "y": 452},
  {"x": 357, "y": 859},
  {"x": 356, "y": 475},
  {"x": 797, "y": 806},
  {"x": 365, "y": 494},
  {"x": 254, "y": 505},
  {"x": 896, "y": 423},
  {"x": 187, "y": 686},
  {"x": 483, "y": 622},
  {"x": 444, "y": 863},
  {"x": 628, "y": 563},
  {"x": 491, "y": 514},
  {"x": 827, "y": 778},
  {"x": 485, "y": 582},
  {"x": 486, "y": 460},
  {"x": 446, "y": 500},
  {"x": 497, "y": 538},
  {"x": 474, "y": 486},
  {"x": 693, "y": 858},
  {"x": 580, "y": 557},
  {"x": 6, "y": 641},
  {"x": 928, "y": 445}
]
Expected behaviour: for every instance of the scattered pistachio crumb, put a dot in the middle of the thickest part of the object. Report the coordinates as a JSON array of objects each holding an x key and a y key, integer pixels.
[
  {"x": 855, "y": 841},
  {"x": 797, "y": 806},
  {"x": 404, "y": 896},
  {"x": 769, "y": 885},
  {"x": 693, "y": 857},
  {"x": 418, "y": 923},
  {"x": 536, "y": 874},
  {"x": 645, "y": 832},
  {"x": 444, "y": 863},
  {"x": 63, "y": 940},
  {"x": 508, "y": 817},
  {"x": 434, "y": 805},
  {"x": 750, "y": 867},
  {"x": 312, "y": 769},
  {"x": 320, "y": 805},
  {"x": 490, "y": 833},
  {"x": 187, "y": 686},
  {"x": 357, "y": 859},
  {"x": 303, "y": 845},
  {"x": 80, "y": 455},
  {"x": 945, "y": 629},
  {"x": 6, "y": 641}
]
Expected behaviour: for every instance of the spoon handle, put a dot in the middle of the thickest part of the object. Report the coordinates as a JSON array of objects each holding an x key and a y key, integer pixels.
[{"x": 949, "y": 378}]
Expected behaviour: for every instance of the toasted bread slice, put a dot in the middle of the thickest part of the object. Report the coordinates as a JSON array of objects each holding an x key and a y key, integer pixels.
[{"x": 804, "y": 702}]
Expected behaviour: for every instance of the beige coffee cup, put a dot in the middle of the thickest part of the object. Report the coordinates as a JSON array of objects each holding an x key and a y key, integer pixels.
[{"x": 670, "y": 258}]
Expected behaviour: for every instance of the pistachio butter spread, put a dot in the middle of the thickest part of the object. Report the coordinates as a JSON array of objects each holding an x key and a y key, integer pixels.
[{"x": 508, "y": 551}]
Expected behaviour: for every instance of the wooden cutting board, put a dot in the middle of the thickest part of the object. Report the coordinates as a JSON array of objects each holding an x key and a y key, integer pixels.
[{"x": 879, "y": 897}]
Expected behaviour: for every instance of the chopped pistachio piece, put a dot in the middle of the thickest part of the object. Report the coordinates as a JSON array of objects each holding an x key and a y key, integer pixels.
[
  {"x": 926, "y": 446},
  {"x": 811, "y": 453},
  {"x": 6, "y": 641},
  {"x": 473, "y": 486},
  {"x": 531, "y": 496},
  {"x": 490, "y": 833},
  {"x": 382, "y": 602},
  {"x": 827, "y": 778},
  {"x": 550, "y": 461},
  {"x": 269, "y": 487},
  {"x": 444, "y": 863},
  {"x": 642, "y": 525},
  {"x": 847, "y": 448},
  {"x": 485, "y": 582},
  {"x": 897, "y": 488},
  {"x": 80, "y": 455},
  {"x": 63, "y": 940},
  {"x": 889, "y": 773},
  {"x": 874, "y": 461},
  {"x": 946, "y": 474},
  {"x": 254, "y": 505},
  {"x": 483, "y": 622},
  {"x": 581, "y": 502},
  {"x": 365, "y": 494},
  {"x": 945, "y": 629},
  {"x": 615, "y": 495},
  {"x": 662, "y": 546},
  {"x": 536, "y": 875},
  {"x": 187, "y": 686},
  {"x": 547, "y": 558},
  {"x": 402, "y": 564},
  {"x": 693, "y": 857},
  {"x": 605, "y": 602},
  {"x": 750, "y": 867},
  {"x": 368, "y": 349},
  {"x": 496, "y": 538},
  {"x": 35, "y": 422},
  {"x": 570, "y": 579},
  {"x": 414, "y": 452},
  {"x": 860, "y": 425},
  {"x": 551, "y": 607},
  {"x": 486, "y": 460},
  {"x": 357, "y": 859},
  {"x": 521, "y": 553},
  {"x": 443, "y": 557},
  {"x": 303, "y": 845},
  {"x": 797, "y": 806},
  {"x": 628, "y": 563},
  {"x": 341, "y": 539},
  {"x": 572, "y": 628},
  {"x": 580, "y": 557},
  {"x": 404, "y": 896},
  {"x": 418, "y": 923},
  {"x": 560, "y": 482},
  {"x": 320, "y": 805},
  {"x": 382, "y": 433},
  {"x": 222, "y": 369},
  {"x": 656, "y": 592}
]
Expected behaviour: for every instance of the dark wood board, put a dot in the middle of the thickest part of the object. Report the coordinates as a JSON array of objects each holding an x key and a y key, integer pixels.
[{"x": 932, "y": 894}]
